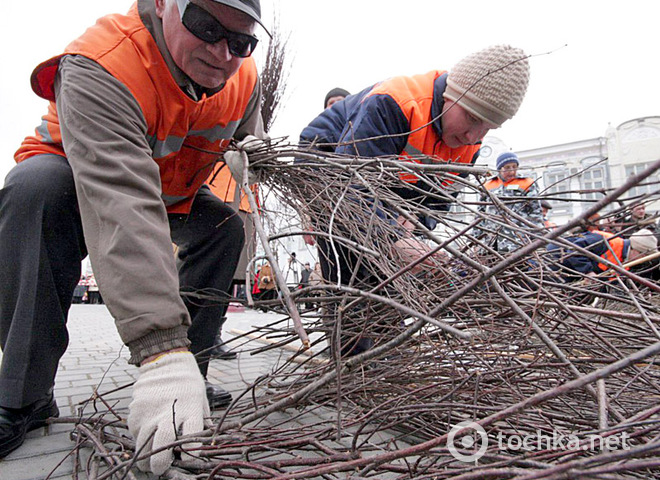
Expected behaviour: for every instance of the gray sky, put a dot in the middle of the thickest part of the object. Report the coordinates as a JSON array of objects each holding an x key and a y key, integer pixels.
[{"x": 607, "y": 72}]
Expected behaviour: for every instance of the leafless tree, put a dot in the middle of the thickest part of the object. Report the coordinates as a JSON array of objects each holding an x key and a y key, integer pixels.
[{"x": 275, "y": 73}]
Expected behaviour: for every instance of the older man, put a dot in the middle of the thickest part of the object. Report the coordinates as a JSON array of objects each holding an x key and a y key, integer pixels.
[{"x": 141, "y": 107}]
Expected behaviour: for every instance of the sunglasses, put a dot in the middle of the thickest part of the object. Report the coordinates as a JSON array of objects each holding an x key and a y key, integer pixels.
[{"x": 206, "y": 27}]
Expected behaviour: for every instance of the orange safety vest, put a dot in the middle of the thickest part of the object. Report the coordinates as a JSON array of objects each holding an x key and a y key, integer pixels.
[
  {"x": 521, "y": 183},
  {"x": 615, "y": 255},
  {"x": 176, "y": 124},
  {"x": 225, "y": 187},
  {"x": 414, "y": 95}
]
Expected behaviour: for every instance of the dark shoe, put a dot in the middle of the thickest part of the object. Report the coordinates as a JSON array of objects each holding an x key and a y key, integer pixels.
[
  {"x": 218, "y": 397},
  {"x": 15, "y": 423},
  {"x": 220, "y": 350}
]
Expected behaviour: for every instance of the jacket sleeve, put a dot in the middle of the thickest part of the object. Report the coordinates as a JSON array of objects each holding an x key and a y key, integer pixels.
[
  {"x": 379, "y": 118},
  {"x": 324, "y": 131},
  {"x": 573, "y": 260},
  {"x": 124, "y": 219}
]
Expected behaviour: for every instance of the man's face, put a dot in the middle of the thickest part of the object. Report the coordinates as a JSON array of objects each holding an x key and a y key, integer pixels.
[
  {"x": 209, "y": 65},
  {"x": 508, "y": 171},
  {"x": 634, "y": 255},
  {"x": 333, "y": 100},
  {"x": 639, "y": 211},
  {"x": 459, "y": 127}
]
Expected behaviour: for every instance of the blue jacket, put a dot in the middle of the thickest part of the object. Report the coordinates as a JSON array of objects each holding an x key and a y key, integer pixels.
[
  {"x": 357, "y": 117},
  {"x": 592, "y": 241},
  {"x": 362, "y": 116}
]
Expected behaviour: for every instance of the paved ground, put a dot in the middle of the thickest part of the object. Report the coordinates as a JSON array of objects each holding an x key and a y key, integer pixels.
[{"x": 96, "y": 358}]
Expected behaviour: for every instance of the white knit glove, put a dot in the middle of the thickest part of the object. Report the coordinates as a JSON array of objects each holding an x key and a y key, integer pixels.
[
  {"x": 169, "y": 398},
  {"x": 236, "y": 159}
]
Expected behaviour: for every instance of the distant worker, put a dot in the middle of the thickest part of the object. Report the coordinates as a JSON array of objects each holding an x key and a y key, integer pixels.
[
  {"x": 504, "y": 229},
  {"x": 333, "y": 96},
  {"x": 637, "y": 220},
  {"x": 619, "y": 251},
  {"x": 545, "y": 209}
]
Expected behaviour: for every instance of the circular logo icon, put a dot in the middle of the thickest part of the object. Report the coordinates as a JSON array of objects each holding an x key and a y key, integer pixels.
[{"x": 467, "y": 441}]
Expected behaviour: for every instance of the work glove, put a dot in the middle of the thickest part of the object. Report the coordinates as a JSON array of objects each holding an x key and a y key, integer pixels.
[
  {"x": 236, "y": 159},
  {"x": 169, "y": 400}
]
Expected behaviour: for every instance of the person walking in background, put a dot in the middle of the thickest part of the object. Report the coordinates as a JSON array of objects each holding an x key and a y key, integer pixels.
[
  {"x": 305, "y": 275},
  {"x": 93, "y": 291},
  {"x": 80, "y": 292},
  {"x": 142, "y": 106},
  {"x": 256, "y": 293}
]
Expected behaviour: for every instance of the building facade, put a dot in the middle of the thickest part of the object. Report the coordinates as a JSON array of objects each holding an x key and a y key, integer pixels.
[{"x": 574, "y": 175}]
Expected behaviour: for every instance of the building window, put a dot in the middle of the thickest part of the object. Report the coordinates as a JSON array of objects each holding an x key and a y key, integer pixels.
[
  {"x": 557, "y": 185},
  {"x": 594, "y": 176},
  {"x": 649, "y": 185}
]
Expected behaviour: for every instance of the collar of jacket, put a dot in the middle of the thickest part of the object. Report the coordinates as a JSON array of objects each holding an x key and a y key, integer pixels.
[
  {"x": 439, "y": 87},
  {"x": 626, "y": 250}
]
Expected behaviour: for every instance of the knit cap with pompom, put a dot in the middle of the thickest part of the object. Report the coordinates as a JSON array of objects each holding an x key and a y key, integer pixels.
[{"x": 491, "y": 83}]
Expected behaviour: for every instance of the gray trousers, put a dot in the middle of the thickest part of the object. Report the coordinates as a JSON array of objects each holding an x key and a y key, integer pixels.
[{"x": 41, "y": 249}]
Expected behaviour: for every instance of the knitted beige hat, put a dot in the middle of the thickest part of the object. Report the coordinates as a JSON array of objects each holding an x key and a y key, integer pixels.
[
  {"x": 491, "y": 83},
  {"x": 644, "y": 241}
]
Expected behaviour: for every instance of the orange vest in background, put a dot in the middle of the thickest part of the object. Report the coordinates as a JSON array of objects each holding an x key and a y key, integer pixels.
[
  {"x": 615, "y": 255},
  {"x": 522, "y": 183},
  {"x": 177, "y": 126},
  {"x": 414, "y": 95},
  {"x": 225, "y": 187}
]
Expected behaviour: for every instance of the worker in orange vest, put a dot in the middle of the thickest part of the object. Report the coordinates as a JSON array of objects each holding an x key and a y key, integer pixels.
[
  {"x": 605, "y": 245},
  {"x": 141, "y": 107},
  {"x": 520, "y": 209}
]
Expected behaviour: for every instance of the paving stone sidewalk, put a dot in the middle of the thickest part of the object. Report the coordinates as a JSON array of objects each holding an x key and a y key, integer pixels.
[{"x": 96, "y": 358}]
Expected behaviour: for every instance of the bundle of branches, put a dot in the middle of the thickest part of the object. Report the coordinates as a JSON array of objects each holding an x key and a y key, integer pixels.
[{"x": 434, "y": 355}]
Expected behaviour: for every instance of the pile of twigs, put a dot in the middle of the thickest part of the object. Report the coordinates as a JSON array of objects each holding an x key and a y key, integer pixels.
[{"x": 561, "y": 376}]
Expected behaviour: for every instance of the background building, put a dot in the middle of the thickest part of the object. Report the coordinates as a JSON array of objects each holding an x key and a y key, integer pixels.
[{"x": 571, "y": 175}]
